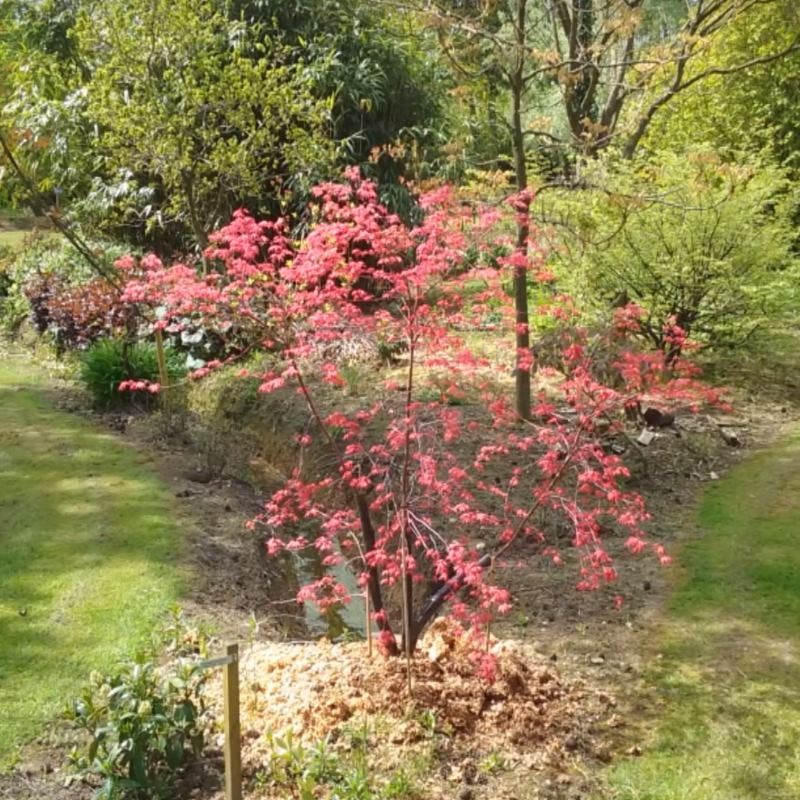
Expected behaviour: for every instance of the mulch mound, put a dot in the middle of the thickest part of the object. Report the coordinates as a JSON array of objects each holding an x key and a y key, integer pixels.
[{"x": 317, "y": 689}]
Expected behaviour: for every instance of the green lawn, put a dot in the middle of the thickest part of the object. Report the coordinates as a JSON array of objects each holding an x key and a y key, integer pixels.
[
  {"x": 728, "y": 726},
  {"x": 88, "y": 554},
  {"x": 13, "y": 239}
]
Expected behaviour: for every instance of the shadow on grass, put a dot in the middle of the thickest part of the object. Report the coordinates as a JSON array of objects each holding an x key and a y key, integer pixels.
[
  {"x": 89, "y": 556},
  {"x": 725, "y": 720}
]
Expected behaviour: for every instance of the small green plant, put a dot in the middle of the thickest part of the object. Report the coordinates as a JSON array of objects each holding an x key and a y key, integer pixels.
[
  {"x": 493, "y": 763},
  {"x": 308, "y": 772},
  {"x": 144, "y": 721},
  {"x": 109, "y": 362},
  {"x": 427, "y": 719},
  {"x": 355, "y": 378},
  {"x": 302, "y": 768},
  {"x": 399, "y": 786},
  {"x": 180, "y": 637}
]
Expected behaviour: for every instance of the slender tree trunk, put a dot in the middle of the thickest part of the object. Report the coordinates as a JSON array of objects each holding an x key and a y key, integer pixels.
[
  {"x": 194, "y": 218},
  {"x": 374, "y": 583},
  {"x": 522, "y": 373},
  {"x": 409, "y": 635},
  {"x": 40, "y": 206}
]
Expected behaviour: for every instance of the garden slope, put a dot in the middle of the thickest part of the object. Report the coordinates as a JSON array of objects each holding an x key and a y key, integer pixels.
[{"x": 88, "y": 554}]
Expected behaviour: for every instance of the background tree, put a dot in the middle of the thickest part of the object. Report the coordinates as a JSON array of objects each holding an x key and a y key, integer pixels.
[
  {"x": 739, "y": 113},
  {"x": 41, "y": 114},
  {"x": 156, "y": 120},
  {"x": 604, "y": 62},
  {"x": 198, "y": 113},
  {"x": 386, "y": 86}
]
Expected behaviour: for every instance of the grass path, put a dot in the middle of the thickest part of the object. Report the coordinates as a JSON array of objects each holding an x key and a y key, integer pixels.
[
  {"x": 88, "y": 554},
  {"x": 727, "y": 667}
]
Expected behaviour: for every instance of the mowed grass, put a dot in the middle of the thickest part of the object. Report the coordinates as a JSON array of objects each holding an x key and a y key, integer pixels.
[
  {"x": 13, "y": 239},
  {"x": 728, "y": 675},
  {"x": 88, "y": 555}
]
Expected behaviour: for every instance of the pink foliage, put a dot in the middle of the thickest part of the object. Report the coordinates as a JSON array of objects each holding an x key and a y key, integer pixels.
[{"x": 418, "y": 511}]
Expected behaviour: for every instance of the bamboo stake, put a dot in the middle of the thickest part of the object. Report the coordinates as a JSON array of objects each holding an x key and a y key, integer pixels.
[
  {"x": 368, "y": 621},
  {"x": 163, "y": 377},
  {"x": 406, "y": 616},
  {"x": 233, "y": 738}
]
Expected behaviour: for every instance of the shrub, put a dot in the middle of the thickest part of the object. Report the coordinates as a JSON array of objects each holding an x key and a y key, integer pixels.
[
  {"x": 691, "y": 240},
  {"x": 52, "y": 281},
  {"x": 411, "y": 504},
  {"x": 144, "y": 724},
  {"x": 76, "y": 315},
  {"x": 13, "y": 306},
  {"x": 109, "y": 362}
]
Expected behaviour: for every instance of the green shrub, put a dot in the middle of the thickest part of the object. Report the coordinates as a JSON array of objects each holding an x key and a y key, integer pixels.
[
  {"x": 144, "y": 723},
  {"x": 13, "y": 306},
  {"x": 689, "y": 238},
  {"x": 110, "y": 361}
]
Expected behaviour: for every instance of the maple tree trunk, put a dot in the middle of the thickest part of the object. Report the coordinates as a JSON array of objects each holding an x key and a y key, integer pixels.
[{"x": 374, "y": 583}]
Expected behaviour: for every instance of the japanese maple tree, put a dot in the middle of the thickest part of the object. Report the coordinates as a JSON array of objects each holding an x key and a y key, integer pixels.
[{"x": 426, "y": 500}]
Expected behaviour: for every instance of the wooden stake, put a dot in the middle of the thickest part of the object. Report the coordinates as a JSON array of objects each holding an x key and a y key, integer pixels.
[
  {"x": 368, "y": 621},
  {"x": 163, "y": 377},
  {"x": 233, "y": 737}
]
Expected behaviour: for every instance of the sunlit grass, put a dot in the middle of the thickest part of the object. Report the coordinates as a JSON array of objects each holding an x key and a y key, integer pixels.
[
  {"x": 728, "y": 679},
  {"x": 88, "y": 555},
  {"x": 13, "y": 239}
]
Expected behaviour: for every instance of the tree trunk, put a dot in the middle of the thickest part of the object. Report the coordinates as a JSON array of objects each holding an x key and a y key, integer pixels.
[
  {"x": 194, "y": 218},
  {"x": 374, "y": 583},
  {"x": 522, "y": 373}
]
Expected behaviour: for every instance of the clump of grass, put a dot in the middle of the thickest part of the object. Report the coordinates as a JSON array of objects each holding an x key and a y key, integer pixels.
[{"x": 109, "y": 362}]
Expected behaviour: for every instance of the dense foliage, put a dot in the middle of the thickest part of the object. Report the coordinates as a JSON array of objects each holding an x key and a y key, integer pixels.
[
  {"x": 154, "y": 121},
  {"x": 109, "y": 363},
  {"x": 688, "y": 238},
  {"x": 144, "y": 722}
]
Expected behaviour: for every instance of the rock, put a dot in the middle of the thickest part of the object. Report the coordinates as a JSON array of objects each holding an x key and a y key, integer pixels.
[
  {"x": 597, "y": 660},
  {"x": 645, "y": 437},
  {"x": 713, "y": 476},
  {"x": 658, "y": 419},
  {"x": 199, "y": 475},
  {"x": 730, "y": 437}
]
